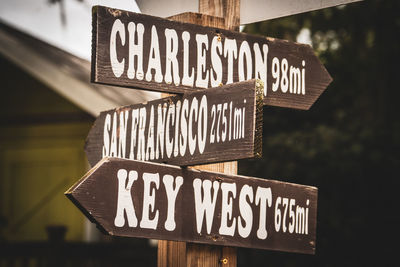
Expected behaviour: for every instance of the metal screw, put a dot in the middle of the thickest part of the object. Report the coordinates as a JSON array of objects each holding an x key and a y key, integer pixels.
[{"x": 224, "y": 261}]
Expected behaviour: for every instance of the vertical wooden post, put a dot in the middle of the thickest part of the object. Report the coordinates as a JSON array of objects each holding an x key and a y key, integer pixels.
[
  {"x": 222, "y": 14},
  {"x": 227, "y": 9}
]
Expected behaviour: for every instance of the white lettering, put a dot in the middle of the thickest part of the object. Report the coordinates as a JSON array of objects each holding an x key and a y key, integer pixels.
[
  {"x": 150, "y": 136},
  {"x": 168, "y": 181},
  {"x": 226, "y": 209},
  {"x": 135, "y": 121},
  {"x": 117, "y": 66},
  {"x": 202, "y": 121},
  {"x": 168, "y": 143},
  {"x": 135, "y": 50},
  {"x": 141, "y": 146},
  {"x": 224, "y": 122},
  {"x": 161, "y": 112},
  {"x": 237, "y": 123},
  {"x": 149, "y": 200},
  {"x": 261, "y": 64},
  {"x": 106, "y": 136},
  {"x": 230, "y": 51},
  {"x": 292, "y": 203},
  {"x": 244, "y": 51},
  {"x": 171, "y": 39},
  {"x": 263, "y": 199},
  {"x": 154, "y": 58},
  {"x": 299, "y": 220},
  {"x": 124, "y": 203},
  {"x": 123, "y": 123},
  {"x": 201, "y": 40},
  {"x": 205, "y": 206},
  {"x": 295, "y": 80},
  {"x": 184, "y": 128},
  {"x": 284, "y": 78},
  {"x": 246, "y": 212},
  {"x": 278, "y": 214},
  {"x": 176, "y": 139},
  {"x": 193, "y": 111},
  {"x": 114, "y": 143},
  {"x": 216, "y": 61},
  {"x": 186, "y": 79}
]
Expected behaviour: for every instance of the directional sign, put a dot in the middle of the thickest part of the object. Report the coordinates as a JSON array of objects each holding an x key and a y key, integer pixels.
[
  {"x": 140, "y": 199},
  {"x": 250, "y": 10},
  {"x": 140, "y": 51},
  {"x": 213, "y": 125}
]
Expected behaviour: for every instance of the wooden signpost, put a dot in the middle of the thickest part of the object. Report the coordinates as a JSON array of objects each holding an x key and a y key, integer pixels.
[
  {"x": 178, "y": 253},
  {"x": 140, "y": 199},
  {"x": 186, "y": 54},
  {"x": 213, "y": 125},
  {"x": 140, "y": 51}
]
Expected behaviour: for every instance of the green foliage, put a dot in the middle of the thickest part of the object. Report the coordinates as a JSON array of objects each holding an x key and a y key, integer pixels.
[{"x": 348, "y": 143}]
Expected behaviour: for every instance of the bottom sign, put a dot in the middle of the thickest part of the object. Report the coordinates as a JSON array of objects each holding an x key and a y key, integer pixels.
[{"x": 140, "y": 199}]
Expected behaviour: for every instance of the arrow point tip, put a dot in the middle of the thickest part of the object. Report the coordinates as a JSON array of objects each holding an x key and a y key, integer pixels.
[{"x": 330, "y": 79}]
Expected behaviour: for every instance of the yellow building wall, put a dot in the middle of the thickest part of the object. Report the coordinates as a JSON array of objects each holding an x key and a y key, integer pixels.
[
  {"x": 38, "y": 164},
  {"x": 42, "y": 139}
]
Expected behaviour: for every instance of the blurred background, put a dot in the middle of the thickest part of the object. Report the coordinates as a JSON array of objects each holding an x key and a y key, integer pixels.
[{"x": 347, "y": 144}]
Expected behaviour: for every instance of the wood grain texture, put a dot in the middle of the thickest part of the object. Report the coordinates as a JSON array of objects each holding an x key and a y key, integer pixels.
[
  {"x": 212, "y": 7},
  {"x": 288, "y": 63},
  {"x": 171, "y": 253},
  {"x": 232, "y": 14},
  {"x": 199, "y": 18},
  {"x": 287, "y": 219},
  {"x": 203, "y": 256},
  {"x": 212, "y": 17},
  {"x": 161, "y": 130}
]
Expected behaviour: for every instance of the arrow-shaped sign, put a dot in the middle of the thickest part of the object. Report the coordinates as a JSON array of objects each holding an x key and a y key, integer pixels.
[
  {"x": 140, "y": 51},
  {"x": 140, "y": 199},
  {"x": 213, "y": 125}
]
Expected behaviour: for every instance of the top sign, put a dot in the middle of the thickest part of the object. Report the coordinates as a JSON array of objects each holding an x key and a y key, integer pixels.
[
  {"x": 250, "y": 10},
  {"x": 140, "y": 51}
]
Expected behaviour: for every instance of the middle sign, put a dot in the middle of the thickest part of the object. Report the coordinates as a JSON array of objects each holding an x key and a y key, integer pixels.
[
  {"x": 213, "y": 125},
  {"x": 141, "y": 51}
]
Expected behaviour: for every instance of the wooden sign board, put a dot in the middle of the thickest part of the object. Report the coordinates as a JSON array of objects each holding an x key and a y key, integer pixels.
[
  {"x": 140, "y": 199},
  {"x": 213, "y": 125},
  {"x": 141, "y": 51}
]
